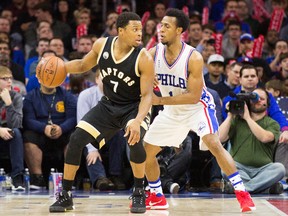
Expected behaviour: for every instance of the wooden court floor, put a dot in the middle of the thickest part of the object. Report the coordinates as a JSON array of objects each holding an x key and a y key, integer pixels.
[{"x": 116, "y": 203}]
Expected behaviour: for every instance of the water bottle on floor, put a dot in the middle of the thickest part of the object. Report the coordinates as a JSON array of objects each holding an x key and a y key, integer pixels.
[
  {"x": 27, "y": 179},
  {"x": 2, "y": 180},
  {"x": 51, "y": 183}
]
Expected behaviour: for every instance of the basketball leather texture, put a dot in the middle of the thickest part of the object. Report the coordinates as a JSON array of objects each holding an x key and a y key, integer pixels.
[{"x": 51, "y": 71}]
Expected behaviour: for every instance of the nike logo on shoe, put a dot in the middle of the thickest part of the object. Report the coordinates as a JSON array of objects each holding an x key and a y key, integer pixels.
[{"x": 154, "y": 203}]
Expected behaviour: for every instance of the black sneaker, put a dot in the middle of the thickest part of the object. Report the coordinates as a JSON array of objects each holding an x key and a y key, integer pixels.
[
  {"x": 119, "y": 184},
  {"x": 138, "y": 198},
  {"x": 173, "y": 187},
  {"x": 18, "y": 183},
  {"x": 104, "y": 183},
  {"x": 37, "y": 182},
  {"x": 276, "y": 188},
  {"x": 64, "y": 202},
  {"x": 228, "y": 187}
]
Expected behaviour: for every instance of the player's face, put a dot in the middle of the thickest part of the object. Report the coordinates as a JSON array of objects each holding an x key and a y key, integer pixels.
[
  {"x": 168, "y": 30},
  {"x": 132, "y": 33}
]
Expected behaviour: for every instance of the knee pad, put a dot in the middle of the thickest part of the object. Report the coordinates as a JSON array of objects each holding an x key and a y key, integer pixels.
[
  {"x": 78, "y": 140},
  {"x": 137, "y": 153}
]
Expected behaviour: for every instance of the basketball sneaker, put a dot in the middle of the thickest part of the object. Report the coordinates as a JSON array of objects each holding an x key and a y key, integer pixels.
[
  {"x": 245, "y": 201},
  {"x": 18, "y": 183},
  {"x": 156, "y": 202},
  {"x": 138, "y": 201},
  {"x": 37, "y": 182},
  {"x": 64, "y": 202}
]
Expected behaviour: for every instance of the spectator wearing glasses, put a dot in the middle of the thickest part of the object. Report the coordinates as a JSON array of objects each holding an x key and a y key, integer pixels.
[{"x": 11, "y": 121}]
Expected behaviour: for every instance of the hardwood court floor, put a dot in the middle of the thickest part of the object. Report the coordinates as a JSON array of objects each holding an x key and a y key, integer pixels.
[{"x": 116, "y": 203}]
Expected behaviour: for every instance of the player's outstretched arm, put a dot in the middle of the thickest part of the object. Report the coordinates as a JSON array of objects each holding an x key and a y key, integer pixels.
[{"x": 88, "y": 61}]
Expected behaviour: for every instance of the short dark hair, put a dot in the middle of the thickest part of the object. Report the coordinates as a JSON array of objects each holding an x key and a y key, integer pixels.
[
  {"x": 125, "y": 17},
  {"x": 182, "y": 20},
  {"x": 280, "y": 40},
  {"x": 247, "y": 66},
  {"x": 275, "y": 84},
  {"x": 43, "y": 39},
  {"x": 233, "y": 22},
  {"x": 48, "y": 51},
  {"x": 44, "y": 6},
  {"x": 209, "y": 26}
]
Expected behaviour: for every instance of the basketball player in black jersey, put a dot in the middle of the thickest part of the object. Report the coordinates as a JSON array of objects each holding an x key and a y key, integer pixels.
[{"x": 128, "y": 72}]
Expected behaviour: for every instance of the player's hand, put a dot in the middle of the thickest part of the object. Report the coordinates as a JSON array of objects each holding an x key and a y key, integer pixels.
[
  {"x": 155, "y": 99},
  {"x": 56, "y": 131},
  {"x": 92, "y": 157},
  {"x": 133, "y": 132},
  {"x": 283, "y": 137},
  {"x": 5, "y": 95},
  {"x": 155, "y": 82}
]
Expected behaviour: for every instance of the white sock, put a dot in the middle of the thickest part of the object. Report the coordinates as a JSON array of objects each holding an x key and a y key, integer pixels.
[
  {"x": 237, "y": 182},
  {"x": 155, "y": 187}
]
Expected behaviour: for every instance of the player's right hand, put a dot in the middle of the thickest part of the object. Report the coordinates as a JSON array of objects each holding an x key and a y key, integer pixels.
[{"x": 133, "y": 132}]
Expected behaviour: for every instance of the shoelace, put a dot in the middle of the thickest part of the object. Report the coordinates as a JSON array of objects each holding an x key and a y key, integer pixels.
[
  {"x": 137, "y": 199},
  {"x": 60, "y": 197}
]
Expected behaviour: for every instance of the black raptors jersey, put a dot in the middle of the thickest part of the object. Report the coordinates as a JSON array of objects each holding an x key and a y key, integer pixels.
[{"x": 121, "y": 78}]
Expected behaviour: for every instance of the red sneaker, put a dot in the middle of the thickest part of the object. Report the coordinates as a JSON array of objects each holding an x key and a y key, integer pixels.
[
  {"x": 156, "y": 202},
  {"x": 245, "y": 200}
]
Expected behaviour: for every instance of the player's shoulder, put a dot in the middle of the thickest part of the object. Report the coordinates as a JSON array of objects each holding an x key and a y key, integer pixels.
[
  {"x": 145, "y": 54},
  {"x": 100, "y": 42},
  {"x": 196, "y": 55}
]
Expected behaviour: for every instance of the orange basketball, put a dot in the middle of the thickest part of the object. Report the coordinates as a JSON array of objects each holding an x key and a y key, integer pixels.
[{"x": 51, "y": 71}]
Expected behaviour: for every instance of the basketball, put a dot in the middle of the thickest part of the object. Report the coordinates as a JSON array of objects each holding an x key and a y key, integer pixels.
[{"x": 51, "y": 71}]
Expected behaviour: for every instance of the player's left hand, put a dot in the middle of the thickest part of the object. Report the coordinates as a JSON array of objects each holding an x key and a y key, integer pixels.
[
  {"x": 133, "y": 132},
  {"x": 283, "y": 137},
  {"x": 155, "y": 82}
]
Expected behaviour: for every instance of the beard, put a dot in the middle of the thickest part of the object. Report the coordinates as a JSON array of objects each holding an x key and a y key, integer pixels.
[{"x": 258, "y": 110}]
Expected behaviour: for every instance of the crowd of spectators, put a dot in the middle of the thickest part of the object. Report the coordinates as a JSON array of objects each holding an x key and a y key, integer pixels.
[{"x": 230, "y": 34}]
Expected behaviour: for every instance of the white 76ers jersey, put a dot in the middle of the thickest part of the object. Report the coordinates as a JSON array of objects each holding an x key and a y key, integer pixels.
[{"x": 173, "y": 79}]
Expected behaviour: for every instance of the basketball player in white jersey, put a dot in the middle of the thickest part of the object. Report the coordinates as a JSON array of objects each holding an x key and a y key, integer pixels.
[{"x": 187, "y": 106}]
